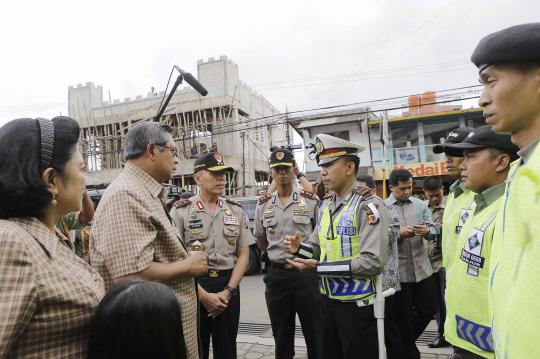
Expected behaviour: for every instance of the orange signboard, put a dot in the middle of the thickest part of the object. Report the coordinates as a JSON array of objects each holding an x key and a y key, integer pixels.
[{"x": 416, "y": 169}]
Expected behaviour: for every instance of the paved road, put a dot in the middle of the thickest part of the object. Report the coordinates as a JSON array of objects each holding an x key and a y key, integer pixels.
[{"x": 255, "y": 336}]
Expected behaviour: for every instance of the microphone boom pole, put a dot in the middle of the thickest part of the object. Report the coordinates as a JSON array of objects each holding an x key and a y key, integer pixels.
[
  {"x": 168, "y": 99},
  {"x": 190, "y": 79}
]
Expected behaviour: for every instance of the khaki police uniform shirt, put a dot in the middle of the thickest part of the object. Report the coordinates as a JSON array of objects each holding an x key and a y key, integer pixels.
[
  {"x": 131, "y": 230},
  {"x": 274, "y": 219},
  {"x": 47, "y": 293},
  {"x": 373, "y": 237},
  {"x": 221, "y": 233}
]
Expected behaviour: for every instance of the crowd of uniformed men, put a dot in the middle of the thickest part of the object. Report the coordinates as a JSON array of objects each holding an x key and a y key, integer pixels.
[{"x": 475, "y": 261}]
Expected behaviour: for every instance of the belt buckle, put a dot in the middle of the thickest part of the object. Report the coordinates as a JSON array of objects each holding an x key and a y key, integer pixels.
[{"x": 213, "y": 273}]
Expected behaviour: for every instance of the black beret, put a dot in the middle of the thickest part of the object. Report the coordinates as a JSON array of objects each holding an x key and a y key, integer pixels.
[{"x": 514, "y": 45}]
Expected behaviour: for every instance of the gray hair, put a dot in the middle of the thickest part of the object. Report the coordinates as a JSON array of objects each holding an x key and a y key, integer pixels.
[{"x": 143, "y": 133}]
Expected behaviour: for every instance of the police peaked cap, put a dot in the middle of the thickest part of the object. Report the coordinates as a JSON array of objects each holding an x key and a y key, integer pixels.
[{"x": 329, "y": 148}]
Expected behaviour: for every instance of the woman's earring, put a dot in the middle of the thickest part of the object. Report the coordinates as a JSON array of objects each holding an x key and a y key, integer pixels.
[{"x": 54, "y": 202}]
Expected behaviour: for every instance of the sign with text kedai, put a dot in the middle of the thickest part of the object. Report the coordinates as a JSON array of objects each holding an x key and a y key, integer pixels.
[{"x": 416, "y": 169}]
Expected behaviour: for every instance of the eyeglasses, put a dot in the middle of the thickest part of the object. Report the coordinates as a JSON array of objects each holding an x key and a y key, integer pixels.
[{"x": 173, "y": 150}]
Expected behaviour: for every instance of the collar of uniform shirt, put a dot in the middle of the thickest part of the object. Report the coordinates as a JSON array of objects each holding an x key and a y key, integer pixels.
[
  {"x": 458, "y": 188},
  {"x": 153, "y": 186},
  {"x": 527, "y": 152},
  {"x": 489, "y": 196},
  {"x": 339, "y": 200}
]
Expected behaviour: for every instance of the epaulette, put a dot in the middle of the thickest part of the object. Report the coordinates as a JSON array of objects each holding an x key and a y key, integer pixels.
[
  {"x": 328, "y": 195},
  {"x": 308, "y": 194},
  {"x": 364, "y": 192},
  {"x": 182, "y": 202},
  {"x": 264, "y": 199},
  {"x": 233, "y": 202}
]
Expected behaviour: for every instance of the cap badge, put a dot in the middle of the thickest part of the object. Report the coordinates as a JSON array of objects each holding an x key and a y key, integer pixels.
[
  {"x": 280, "y": 155},
  {"x": 218, "y": 157},
  {"x": 452, "y": 134},
  {"x": 319, "y": 147}
]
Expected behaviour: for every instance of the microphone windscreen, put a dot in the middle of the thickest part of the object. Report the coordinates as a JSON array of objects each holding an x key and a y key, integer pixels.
[{"x": 193, "y": 82}]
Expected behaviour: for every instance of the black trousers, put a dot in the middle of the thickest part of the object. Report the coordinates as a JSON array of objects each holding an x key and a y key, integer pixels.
[
  {"x": 416, "y": 305},
  {"x": 223, "y": 329},
  {"x": 440, "y": 315},
  {"x": 392, "y": 336},
  {"x": 289, "y": 292},
  {"x": 348, "y": 331}
]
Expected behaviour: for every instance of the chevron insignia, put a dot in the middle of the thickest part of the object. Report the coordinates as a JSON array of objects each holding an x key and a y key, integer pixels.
[{"x": 476, "y": 334}]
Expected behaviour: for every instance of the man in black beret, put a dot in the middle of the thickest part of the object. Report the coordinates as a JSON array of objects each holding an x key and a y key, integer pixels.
[{"x": 509, "y": 68}]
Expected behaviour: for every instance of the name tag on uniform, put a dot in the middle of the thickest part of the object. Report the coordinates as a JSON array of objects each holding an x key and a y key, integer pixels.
[
  {"x": 471, "y": 253},
  {"x": 230, "y": 220},
  {"x": 195, "y": 225}
]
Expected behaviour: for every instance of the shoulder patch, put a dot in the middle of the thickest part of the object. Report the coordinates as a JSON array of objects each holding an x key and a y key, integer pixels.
[
  {"x": 231, "y": 201},
  {"x": 372, "y": 213},
  {"x": 308, "y": 194},
  {"x": 182, "y": 203},
  {"x": 264, "y": 199}
]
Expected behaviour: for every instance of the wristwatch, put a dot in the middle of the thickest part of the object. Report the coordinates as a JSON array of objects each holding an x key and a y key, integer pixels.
[
  {"x": 300, "y": 175},
  {"x": 233, "y": 291}
]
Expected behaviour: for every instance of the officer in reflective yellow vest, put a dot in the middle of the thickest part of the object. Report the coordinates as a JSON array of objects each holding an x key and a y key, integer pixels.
[
  {"x": 460, "y": 200},
  {"x": 509, "y": 68},
  {"x": 487, "y": 158},
  {"x": 349, "y": 244}
]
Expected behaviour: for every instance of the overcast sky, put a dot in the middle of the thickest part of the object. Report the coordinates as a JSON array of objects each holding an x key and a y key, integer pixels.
[{"x": 299, "y": 54}]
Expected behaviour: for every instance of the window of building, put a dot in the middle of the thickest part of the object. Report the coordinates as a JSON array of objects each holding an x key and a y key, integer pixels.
[
  {"x": 344, "y": 135},
  {"x": 405, "y": 135},
  {"x": 476, "y": 122},
  {"x": 434, "y": 134}
]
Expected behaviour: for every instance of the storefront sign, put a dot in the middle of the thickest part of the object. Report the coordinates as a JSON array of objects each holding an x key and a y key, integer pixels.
[{"x": 416, "y": 170}]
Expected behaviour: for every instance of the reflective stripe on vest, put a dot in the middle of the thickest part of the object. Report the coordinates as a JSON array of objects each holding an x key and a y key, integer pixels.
[
  {"x": 343, "y": 245},
  {"x": 476, "y": 334}
]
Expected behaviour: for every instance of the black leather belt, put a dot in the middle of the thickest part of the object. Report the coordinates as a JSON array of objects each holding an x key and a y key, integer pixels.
[
  {"x": 214, "y": 273},
  {"x": 279, "y": 265}
]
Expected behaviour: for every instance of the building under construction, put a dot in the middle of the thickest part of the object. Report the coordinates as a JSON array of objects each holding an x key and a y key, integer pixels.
[{"x": 232, "y": 118}]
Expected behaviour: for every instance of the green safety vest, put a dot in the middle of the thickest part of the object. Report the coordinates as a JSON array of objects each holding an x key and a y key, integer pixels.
[
  {"x": 343, "y": 245},
  {"x": 468, "y": 323},
  {"x": 456, "y": 213},
  {"x": 501, "y": 217},
  {"x": 515, "y": 291}
]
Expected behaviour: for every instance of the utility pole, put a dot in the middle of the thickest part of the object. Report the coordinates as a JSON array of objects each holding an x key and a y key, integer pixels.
[
  {"x": 244, "y": 163},
  {"x": 287, "y": 135}
]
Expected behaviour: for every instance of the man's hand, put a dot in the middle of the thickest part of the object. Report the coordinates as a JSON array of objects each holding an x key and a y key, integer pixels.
[
  {"x": 214, "y": 304},
  {"x": 198, "y": 263},
  {"x": 303, "y": 265},
  {"x": 292, "y": 243},
  {"x": 406, "y": 232},
  {"x": 225, "y": 296},
  {"x": 420, "y": 230},
  {"x": 296, "y": 170}
]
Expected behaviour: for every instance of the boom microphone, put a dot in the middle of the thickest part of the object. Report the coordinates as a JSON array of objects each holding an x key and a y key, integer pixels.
[{"x": 192, "y": 81}]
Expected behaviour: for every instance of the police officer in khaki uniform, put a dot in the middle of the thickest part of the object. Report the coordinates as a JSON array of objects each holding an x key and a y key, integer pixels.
[
  {"x": 347, "y": 251},
  {"x": 288, "y": 211},
  {"x": 218, "y": 226}
]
